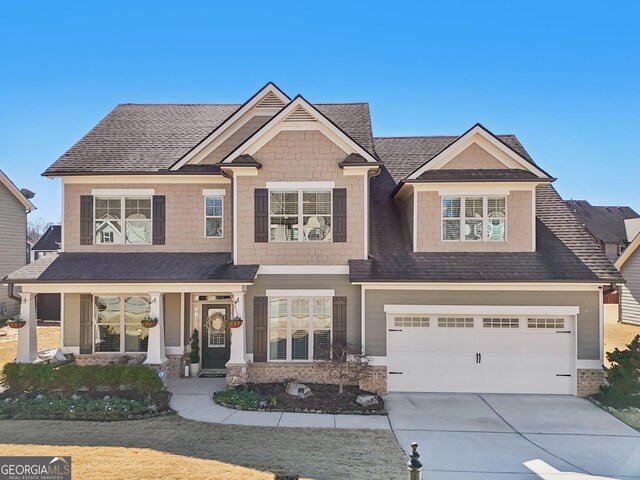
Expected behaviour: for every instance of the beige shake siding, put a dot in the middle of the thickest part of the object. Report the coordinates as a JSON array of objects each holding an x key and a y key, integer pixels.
[
  {"x": 339, "y": 283},
  {"x": 13, "y": 244},
  {"x": 473, "y": 157},
  {"x": 588, "y": 318},
  {"x": 235, "y": 139},
  {"x": 519, "y": 225},
  {"x": 184, "y": 205},
  {"x": 300, "y": 156}
]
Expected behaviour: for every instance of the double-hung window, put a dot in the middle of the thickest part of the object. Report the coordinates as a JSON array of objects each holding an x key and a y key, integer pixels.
[
  {"x": 121, "y": 220},
  {"x": 299, "y": 328},
  {"x": 474, "y": 219},
  {"x": 300, "y": 215},
  {"x": 118, "y": 327},
  {"x": 213, "y": 209}
]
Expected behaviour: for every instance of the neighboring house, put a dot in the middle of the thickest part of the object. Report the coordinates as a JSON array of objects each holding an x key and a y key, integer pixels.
[
  {"x": 450, "y": 260},
  {"x": 14, "y": 206},
  {"x": 47, "y": 304},
  {"x": 629, "y": 266},
  {"x": 606, "y": 225},
  {"x": 48, "y": 243}
]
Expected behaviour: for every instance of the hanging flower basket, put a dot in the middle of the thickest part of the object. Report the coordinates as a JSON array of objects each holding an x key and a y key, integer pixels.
[
  {"x": 235, "y": 322},
  {"x": 16, "y": 322},
  {"x": 149, "y": 322}
]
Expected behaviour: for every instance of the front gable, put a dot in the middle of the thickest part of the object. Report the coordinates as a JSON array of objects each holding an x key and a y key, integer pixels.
[
  {"x": 478, "y": 149},
  {"x": 300, "y": 115},
  {"x": 243, "y": 123}
]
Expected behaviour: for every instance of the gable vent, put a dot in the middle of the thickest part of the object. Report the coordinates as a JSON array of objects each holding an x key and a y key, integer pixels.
[
  {"x": 270, "y": 101},
  {"x": 299, "y": 114}
]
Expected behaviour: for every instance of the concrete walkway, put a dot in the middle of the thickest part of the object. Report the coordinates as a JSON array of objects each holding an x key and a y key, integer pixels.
[
  {"x": 491, "y": 437},
  {"x": 193, "y": 399}
]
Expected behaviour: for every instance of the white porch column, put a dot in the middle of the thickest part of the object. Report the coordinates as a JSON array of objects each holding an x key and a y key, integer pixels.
[
  {"x": 238, "y": 335},
  {"x": 27, "y": 335},
  {"x": 155, "y": 350}
]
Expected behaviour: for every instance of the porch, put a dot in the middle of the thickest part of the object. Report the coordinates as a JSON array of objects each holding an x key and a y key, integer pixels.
[{"x": 107, "y": 323}]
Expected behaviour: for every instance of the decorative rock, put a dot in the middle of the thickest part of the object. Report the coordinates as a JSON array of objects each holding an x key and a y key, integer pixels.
[
  {"x": 106, "y": 397},
  {"x": 40, "y": 397},
  {"x": 299, "y": 390},
  {"x": 75, "y": 397},
  {"x": 367, "y": 400}
]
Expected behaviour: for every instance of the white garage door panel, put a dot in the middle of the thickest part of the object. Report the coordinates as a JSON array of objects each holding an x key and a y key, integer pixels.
[{"x": 513, "y": 360}]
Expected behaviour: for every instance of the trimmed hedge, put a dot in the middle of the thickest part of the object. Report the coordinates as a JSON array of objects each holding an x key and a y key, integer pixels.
[
  {"x": 26, "y": 377},
  {"x": 75, "y": 409}
]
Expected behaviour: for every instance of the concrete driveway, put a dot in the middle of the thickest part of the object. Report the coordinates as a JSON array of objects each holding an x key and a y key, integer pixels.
[{"x": 482, "y": 437}]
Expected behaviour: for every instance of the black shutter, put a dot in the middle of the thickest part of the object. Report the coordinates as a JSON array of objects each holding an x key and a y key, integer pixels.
[
  {"x": 339, "y": 214},
  {"x": 86, "y": 323},
  {"x": 340, "y": 320},
  {"x": 260, "y": 318},
  {"x": 261, "y": 215},
  {"x": 158, "y": 219},
  {"x": 86, "y": 220}
]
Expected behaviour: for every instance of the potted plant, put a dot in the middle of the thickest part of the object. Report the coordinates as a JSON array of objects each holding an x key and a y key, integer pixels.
[
  {"x": 195, "y": 353},
  {"x": 235, "y": 322},
  {"x": 148, "y": 322},
  {"x": 16, "y": 322}
]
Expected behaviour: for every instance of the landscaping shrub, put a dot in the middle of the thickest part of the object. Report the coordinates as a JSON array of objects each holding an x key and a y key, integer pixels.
[
  {"x": 25, "y": 377},
  {"x": 623, "y": 377},
  {"x": 52, "y": 407},
  {"x": 240, "y": 397}
]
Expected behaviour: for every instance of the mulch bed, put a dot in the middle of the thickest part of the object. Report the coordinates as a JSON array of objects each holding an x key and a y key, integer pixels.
[{"x": 324, "y": 399}]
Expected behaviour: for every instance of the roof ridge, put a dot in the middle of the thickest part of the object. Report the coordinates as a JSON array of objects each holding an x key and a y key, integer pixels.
[
  {"x": 177, "y": 104},
  {"x": 442, "y": 136}
]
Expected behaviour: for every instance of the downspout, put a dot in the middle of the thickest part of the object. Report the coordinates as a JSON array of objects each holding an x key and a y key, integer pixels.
[
  {"x": 233, "y": 207},
  {"x": 11, "y": 294}
]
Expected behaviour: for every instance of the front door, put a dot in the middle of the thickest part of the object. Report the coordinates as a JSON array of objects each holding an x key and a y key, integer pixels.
[{"x": 216, "y": 336}]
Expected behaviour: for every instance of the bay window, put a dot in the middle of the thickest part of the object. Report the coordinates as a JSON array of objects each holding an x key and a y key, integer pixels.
[
  {"x": 300, "y": 215},
  {"x": 299, "y": 328},
  {"x": 118, "y": 327},
  {"x": 474, "y": 219},
  {"x": 121, "y": 220}
]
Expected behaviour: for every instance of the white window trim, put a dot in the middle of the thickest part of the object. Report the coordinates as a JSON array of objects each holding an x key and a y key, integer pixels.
[
  {"x": 122, "y": 324},
  {"x": 301, "y": 293},
  {"x": 123, "y": 192},
  {"x": 311, "y": 330},
  {"x": 301, "y": 215},
  {"x": 462, "y": 218},
  {"x": 221, "y": 217},
  {"x": 122, "y": 219},
  {"x": 300, "y": 185},
  {"x": 213, "y": 192}
]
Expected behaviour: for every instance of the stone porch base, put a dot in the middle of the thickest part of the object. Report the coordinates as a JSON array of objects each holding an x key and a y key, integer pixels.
[
  {"x": 589, "y": 381},
  {"x": 266, "y": 372}
]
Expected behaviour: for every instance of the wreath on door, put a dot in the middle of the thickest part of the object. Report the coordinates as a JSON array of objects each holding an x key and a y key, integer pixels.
[{"x": 215, "y": 321}]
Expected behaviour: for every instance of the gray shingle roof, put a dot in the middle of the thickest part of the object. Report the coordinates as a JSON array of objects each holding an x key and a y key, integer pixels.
[
  {"x": 138, "y": 138},
  {"x": 403, "y": 155},
  {"x": 604, "y": 223},
  {"x": 564, "y": 250},
  {"x": 135, "y": 267},
  {"x": 477, "y": 175},
  {"x": 50, "y": 240}
]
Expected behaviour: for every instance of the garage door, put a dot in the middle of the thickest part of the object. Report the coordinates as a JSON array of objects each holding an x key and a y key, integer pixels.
[{"x": 488, "y": 353}]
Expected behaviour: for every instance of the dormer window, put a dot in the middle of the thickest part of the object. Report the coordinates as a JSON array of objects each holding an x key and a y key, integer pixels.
[{"x": 474, "y": 219}]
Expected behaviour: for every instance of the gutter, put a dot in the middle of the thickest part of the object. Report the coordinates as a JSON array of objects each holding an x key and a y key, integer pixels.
[{"x": 11, "y": 294}]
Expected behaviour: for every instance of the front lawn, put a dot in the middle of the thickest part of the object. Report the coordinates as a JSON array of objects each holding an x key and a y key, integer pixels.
[{"x": 174, "y": 448}]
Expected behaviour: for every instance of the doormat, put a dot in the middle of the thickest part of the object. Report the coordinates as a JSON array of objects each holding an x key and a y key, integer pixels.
[{"x": 212, "y": 375}]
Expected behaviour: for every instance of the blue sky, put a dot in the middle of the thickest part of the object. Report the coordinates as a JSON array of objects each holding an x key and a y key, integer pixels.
[{"x": 562, "y": 76}]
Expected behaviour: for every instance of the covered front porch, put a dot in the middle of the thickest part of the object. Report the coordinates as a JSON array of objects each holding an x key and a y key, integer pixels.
[{"x": 149, "y": 323}]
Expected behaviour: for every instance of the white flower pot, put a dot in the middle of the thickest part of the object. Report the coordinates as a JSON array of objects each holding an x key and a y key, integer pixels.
[{"x": 195, "y": 369}]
